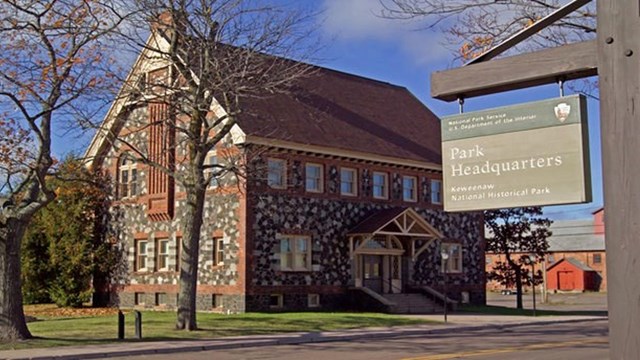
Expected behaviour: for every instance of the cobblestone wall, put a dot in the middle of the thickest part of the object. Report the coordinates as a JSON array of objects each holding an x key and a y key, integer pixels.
[
  {"x": 130, "y": 223},
  {"x": 328, "y": 221}
]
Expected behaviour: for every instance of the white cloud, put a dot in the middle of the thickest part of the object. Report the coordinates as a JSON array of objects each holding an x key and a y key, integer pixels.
[
  {"x": 357, "y": 19},
  {"x": 425, "y": 48},
  {"x": 354, "y": 20}
]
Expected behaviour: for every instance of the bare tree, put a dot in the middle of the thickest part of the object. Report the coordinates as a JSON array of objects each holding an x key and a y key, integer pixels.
[
  {"x": 473, "y": 26},
  {"x": 53, "y": 68},
  {"x": 212, "y": 58}
]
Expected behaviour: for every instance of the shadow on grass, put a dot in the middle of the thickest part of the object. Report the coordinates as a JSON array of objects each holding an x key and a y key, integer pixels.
[{"x": 159, "y": 326}]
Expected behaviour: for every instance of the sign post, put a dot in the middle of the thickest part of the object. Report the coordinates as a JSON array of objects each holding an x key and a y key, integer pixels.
[
  {"x": 619, "y": 81},
  {"x": 615, "y": 57},
  {"x": 524, "y": 155}
]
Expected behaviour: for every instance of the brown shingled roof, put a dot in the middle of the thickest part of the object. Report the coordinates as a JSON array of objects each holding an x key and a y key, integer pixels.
[{"x": 338, "y": 110}]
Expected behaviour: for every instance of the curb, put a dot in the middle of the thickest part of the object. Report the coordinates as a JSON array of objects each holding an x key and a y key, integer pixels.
[{"x": 300, "y": 338}]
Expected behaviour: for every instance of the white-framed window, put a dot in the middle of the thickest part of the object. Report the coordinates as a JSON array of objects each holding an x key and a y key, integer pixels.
[
  {"x": 454, "y": 263},
  {"x": 218, "y": 251},
  {"x": 161, "y": 299},
  {"x": 436, "y": 191},
  {"x": 216, "y": 300},
  {"x": 139, "y": 298},
  {"x": 277, "y": 173},
  {"x": 295, "y": 253},
  {"x": 409, "y": 188},
  {"x": 348, "y": 182},
  {"x": 141, "y": 255},
  {"x": 162, "y": 254},
  {"x": 380, "y": 185},
  {"x": 127, "y": 178},
  {"x": 212, "y": 159},
  {"x": 313, "y": 300},
  {"x": 314, "y": 179}
]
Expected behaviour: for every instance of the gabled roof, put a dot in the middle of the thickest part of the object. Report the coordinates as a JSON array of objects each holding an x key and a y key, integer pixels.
[
  {"x": 576, "y": 263},
  {"x": 329, "y": 112},
  {"x": 376, "y": 221},
  {"x": 578, "y": 242},
  {"x": 398, "y": 221},
  {"x": 573, "y": 235}
]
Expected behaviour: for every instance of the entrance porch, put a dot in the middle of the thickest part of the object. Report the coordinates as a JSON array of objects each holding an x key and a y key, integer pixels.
[{"x": 384, "y": 247}]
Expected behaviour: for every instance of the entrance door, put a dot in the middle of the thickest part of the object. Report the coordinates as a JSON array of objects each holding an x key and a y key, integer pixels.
[
  {"x": 565, "y": 280},
  {"x": 372, "y": 272}
]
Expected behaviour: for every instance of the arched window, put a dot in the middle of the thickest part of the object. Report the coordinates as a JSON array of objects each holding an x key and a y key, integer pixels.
[{"x": 127, "y": 178}]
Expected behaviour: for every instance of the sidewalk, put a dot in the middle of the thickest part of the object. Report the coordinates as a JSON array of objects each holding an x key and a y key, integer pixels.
[{"x": 456, "y": 322}]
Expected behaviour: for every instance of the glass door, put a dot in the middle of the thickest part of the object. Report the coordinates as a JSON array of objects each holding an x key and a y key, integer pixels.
[{"x": 372, "y": 272}]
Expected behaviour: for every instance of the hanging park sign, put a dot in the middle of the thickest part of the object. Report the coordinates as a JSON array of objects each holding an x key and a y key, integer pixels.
[{"x": 524, "y": 155}]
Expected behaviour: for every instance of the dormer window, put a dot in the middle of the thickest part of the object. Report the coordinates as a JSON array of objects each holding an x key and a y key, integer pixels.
[{"x": 127, "y": 178}]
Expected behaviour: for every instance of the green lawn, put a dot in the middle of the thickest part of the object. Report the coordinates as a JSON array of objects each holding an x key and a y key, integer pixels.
[{"x": 157, "y": 325}]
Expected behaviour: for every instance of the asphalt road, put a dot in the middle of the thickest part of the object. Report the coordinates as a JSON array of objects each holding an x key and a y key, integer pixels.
[{"x": 572, "y": 341}]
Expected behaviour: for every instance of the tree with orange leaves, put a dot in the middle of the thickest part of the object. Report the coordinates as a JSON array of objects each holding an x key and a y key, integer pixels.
[
  {"x": 53, "y": 71},
  {"x": 473, "y": 26}
]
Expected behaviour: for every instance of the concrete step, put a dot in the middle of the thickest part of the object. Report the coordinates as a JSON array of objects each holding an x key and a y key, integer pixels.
[{"x": 412, "y": 304}]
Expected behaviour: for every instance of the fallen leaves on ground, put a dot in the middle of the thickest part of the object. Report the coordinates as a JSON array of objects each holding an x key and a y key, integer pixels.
[{"x": 52, "y": 310}]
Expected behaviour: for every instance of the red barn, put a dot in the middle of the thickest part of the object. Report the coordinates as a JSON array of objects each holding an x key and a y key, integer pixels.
[
  {"x": 582, "y": 241},
  {"x": 569, "y": 274}
]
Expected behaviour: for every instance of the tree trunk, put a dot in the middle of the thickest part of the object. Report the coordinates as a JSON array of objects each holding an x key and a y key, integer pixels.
[
  {"x": 191, "y": 225},
  {"x": 518, "y": 288},
  {"x": 101, "y": 294},
  {"x": 13, "y": 324}
]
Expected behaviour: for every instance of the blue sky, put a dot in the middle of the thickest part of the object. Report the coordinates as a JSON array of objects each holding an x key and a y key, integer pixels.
[
  {"x": 360, "y": 42},
  {"x": 367, "y": 45}
]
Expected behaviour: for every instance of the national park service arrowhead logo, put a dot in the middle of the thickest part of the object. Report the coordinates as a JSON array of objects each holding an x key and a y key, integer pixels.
[{"x": 562, "y": 111}]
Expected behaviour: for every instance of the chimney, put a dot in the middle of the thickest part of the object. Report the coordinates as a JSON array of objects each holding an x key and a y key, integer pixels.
[{"x": 170, "y": 19}]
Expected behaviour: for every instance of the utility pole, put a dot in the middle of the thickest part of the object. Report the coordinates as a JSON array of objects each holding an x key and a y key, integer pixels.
[{"x": 545, "y": 294}]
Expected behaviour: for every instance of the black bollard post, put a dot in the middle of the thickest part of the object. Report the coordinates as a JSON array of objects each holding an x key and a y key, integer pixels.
[
  {"x": 120, "y": 325},
  {"x": 138, "y": 315}
]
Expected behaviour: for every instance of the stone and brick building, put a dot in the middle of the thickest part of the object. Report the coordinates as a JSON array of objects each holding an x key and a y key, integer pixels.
[{"x": 343, "y": 192}]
